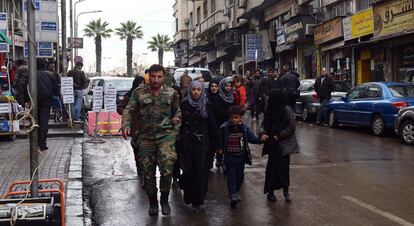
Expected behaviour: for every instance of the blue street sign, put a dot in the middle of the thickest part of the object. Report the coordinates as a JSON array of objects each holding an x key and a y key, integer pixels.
[
  {"x": 250, "y": 47},
  {"x": 3, "y": 16},
  {"x": 45, "y": 45},
  {"x": 44, "y": 49},
  {"x": 4, "y": 48},
  {"x": 45, "y": 53},
  {"x": 49, "y": 26},
  {"x": 37, "y": 4}
]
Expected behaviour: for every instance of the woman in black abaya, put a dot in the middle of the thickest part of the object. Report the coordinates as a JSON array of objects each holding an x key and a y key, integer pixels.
[
  {"x": 198, "y": 129},
  {"x": 278, "y": 124}
]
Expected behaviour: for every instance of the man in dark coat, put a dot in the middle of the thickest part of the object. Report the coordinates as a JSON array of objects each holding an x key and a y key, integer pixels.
[
  {"x": 47, "y": 87},
  {"x": 79, "y": 83},
  {"x": 324, "y": 86},
  {"x": 289, "y": 82}
]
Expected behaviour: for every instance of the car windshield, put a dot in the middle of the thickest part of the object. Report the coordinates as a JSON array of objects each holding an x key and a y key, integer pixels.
[
  {"x": 402, "y": 90},
  {"x": 120, "y": 84},
  {"x": 342, "y": 87}
]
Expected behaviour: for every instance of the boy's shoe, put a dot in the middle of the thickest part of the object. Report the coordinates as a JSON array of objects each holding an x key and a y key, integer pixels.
[{"x": 235, "y": 198}]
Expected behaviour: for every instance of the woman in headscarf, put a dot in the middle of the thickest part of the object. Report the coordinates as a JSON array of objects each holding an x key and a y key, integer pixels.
[
  {"x": 213, "y": 97},
  {"x": 278, "y": 124},
  {"x": 221, "y": 106},
  {"x": 198, "y": 133},
  {"x": 134, "y": 125}
]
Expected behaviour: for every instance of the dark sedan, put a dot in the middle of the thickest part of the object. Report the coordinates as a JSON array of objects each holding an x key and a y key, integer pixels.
[
  {"x": 404, "y": 125},
  {"x": 307, "y": 105}
]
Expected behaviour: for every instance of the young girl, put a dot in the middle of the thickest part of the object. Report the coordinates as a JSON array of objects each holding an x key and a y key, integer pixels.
[
  {"x": 240, "y": 93},
  {"x": 198, "y": 132}
]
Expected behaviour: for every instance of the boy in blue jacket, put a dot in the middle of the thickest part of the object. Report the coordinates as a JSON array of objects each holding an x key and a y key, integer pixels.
[{"x": 234, "y": 139}]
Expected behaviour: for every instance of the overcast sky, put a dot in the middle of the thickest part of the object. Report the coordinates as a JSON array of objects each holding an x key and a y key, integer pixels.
[{"x": 155, "y": 16}]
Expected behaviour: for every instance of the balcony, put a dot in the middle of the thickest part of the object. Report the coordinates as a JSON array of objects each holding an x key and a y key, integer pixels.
[
  {"x": 180, "y": 35},
  {"x": 211, "y": 22}
]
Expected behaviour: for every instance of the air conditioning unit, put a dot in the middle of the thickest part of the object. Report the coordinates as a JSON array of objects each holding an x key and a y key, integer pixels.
[
  {"x": 186, "y": 21},
  {"x": 242, "y": 4},
  {"x": 309, "y": 29}
]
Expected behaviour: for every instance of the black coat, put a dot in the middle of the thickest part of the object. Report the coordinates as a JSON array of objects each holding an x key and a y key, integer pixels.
[
  {"x": 47, "y": 85},
  {"x": 325, "y": 89},
  {"x": 221, "y": 110}
]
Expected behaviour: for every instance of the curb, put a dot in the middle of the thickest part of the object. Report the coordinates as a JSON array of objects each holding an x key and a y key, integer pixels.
[{"x": 74, "y": 190}]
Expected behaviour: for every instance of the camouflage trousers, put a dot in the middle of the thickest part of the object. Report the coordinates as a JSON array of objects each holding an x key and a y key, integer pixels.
[{"x": 157, "y": 152}]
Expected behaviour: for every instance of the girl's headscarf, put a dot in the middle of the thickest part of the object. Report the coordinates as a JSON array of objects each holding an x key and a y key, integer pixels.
[
  {"x": 213, "y": 96},
  {"x": 227, "y": 96},
  {"x": 200, "y": 103},
  {"x": 275, "y": 114}
]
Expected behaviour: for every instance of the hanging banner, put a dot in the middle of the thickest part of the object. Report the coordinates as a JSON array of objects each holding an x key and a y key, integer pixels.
[
  {"x": 4, "y": 27},
  {"x": 393, "y": 16}
]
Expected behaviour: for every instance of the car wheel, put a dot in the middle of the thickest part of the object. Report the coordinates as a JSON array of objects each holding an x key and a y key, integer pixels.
[
  {"x": 377, "y": 125},
  {"x": 305, "y": 114},
  {"x": 407, "y": 132},
  {"x": 332, "y": 119}
]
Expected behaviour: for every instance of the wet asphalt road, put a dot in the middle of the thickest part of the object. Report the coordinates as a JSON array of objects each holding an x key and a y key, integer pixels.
[{"x": 341, "y": 177}]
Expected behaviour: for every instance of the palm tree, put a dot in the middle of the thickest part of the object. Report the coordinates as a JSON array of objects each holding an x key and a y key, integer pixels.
[
  {"x": 129, "y": 31},
  {"x": 98, "y": 30},
  {"x": 160, "y": 43}
]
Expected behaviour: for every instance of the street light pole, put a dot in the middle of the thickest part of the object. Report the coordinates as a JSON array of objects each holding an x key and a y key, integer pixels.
[
  {"x": 76, "y": 22},
  {"x": 74, "y": 33},
  {"x": 31, "y": 34},
  {"x": 71, "y": 31},
  {"x": 64, "y": 50}
]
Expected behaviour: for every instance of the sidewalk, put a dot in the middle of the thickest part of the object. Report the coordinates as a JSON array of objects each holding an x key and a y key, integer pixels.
[{"x": 63, "y": 160}]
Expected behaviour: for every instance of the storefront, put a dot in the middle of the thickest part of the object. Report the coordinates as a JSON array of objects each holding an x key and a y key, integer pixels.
[
  {"x": 304, "y": 54},
  {"x": 334, "y": 55},
  {"x": 395, "y": 31},
  {"x": 368, "y": 57}
]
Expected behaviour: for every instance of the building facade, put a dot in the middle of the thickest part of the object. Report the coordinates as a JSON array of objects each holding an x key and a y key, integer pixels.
[{"x": 356, "y": 40}]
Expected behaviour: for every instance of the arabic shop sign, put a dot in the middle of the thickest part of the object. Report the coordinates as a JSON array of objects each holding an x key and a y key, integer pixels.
[
  {"x": 393, "y": 16},
  {"x": 295, "y": 28},
  {"x": 328, "y": 31},
  {"x": 358, "y": 25}
]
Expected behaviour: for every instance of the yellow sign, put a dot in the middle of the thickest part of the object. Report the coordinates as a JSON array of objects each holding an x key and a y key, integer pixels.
[
  {"x": 362, "y": 23},
  {"x": 393, "y": 16}
]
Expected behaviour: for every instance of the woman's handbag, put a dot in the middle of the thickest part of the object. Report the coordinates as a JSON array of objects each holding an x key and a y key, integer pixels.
[{"x": 289, "y": 146}]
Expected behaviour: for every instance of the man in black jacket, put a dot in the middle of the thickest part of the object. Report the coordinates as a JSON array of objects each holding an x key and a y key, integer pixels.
[
  {"x": 289, "y": 82},
  {"x": 324, "y": 86},
  {"x": 47, "y": 87}
]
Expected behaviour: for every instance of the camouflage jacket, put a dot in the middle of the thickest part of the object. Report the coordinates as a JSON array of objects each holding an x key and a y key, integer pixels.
[{"x": 154, "y": 112}]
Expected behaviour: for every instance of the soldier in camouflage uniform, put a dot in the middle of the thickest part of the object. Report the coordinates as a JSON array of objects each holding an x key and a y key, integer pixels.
[{"x": 159, "y": 120}]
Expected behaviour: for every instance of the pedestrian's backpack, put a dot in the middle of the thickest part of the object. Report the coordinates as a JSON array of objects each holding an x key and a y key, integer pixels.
[{"x": 20, "y": 85}]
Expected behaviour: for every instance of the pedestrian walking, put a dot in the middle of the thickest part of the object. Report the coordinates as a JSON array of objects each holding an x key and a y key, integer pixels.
[
  {"x": 221, "y": 108},
  {"x": 79, "y": 83},
  {"x": 213, "y": 97},
  {"x": 47, "y": 87},
  {"x": 233, "y": 143},
  {"x": 324, "y": 86},
  {"x": 138, "y": 81},
  {"x": 185, "y": 81},
  {"x": 289, "y": 82},
  {"x": 198, "y": 134},
  {"x": 240, "y": 94},
  {"x": 20, "y": 83},
  {"x": 278, "y": 126},
  {"x": 255, "y": 95},
  {"x": 159, "y": 120}
]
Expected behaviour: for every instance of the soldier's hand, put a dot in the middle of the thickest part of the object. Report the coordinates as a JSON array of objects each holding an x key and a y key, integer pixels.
[
  {"x": 125, "y": 132},
  {"x": 175, "y": 121},
  {"x": 264, "y": 138}
]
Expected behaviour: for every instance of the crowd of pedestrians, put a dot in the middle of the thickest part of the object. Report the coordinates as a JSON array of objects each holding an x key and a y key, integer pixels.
[{"x": 184, "y": 130}]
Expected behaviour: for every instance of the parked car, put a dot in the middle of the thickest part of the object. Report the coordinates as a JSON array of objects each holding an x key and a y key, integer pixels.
[
  {"x": 404, "y": 125},
  {"x": 307, "y": 105},
  {"x": 122, "y": 85},
  {"x": 193, "y": 72},
  {"x": 374, "y": 104},
  {"x": 407, "y": 74}
]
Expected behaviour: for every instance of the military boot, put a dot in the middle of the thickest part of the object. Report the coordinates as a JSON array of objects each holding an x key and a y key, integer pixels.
[
  {"x": 153, "y": 205},
  {"x": 165, "y": 206}
]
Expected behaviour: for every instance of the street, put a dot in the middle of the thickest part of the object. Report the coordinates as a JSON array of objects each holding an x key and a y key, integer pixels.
[{"x": 342, "y": 176}]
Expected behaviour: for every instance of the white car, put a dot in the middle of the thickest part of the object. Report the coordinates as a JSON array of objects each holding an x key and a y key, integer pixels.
[{"x": 193, "y": 72}]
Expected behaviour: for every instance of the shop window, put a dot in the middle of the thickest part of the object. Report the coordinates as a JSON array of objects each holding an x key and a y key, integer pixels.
[
  {"x": 342, "y": 8},
  {"x": 213, "y": 6},
  {"x": 205, "y": 11},
  {"x": 364, "y": 4}
]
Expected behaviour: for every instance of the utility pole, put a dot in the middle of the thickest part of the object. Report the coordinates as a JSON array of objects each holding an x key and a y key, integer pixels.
[
  {"x": 71, "y": 31},
  {"x": 64, "y": 50},
  {"x": 33, "y": 92}
]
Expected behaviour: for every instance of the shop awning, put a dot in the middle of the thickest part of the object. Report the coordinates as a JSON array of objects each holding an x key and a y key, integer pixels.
[
  {"x": 284, "y": 47},
  {"x": 383, "y": 38},
  {"x": 5, "y": 39},
  {"x": 332, "y": 46}
]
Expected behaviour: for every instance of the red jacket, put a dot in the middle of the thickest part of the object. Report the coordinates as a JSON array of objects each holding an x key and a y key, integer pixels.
[{"x": 240, "y": 97}]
